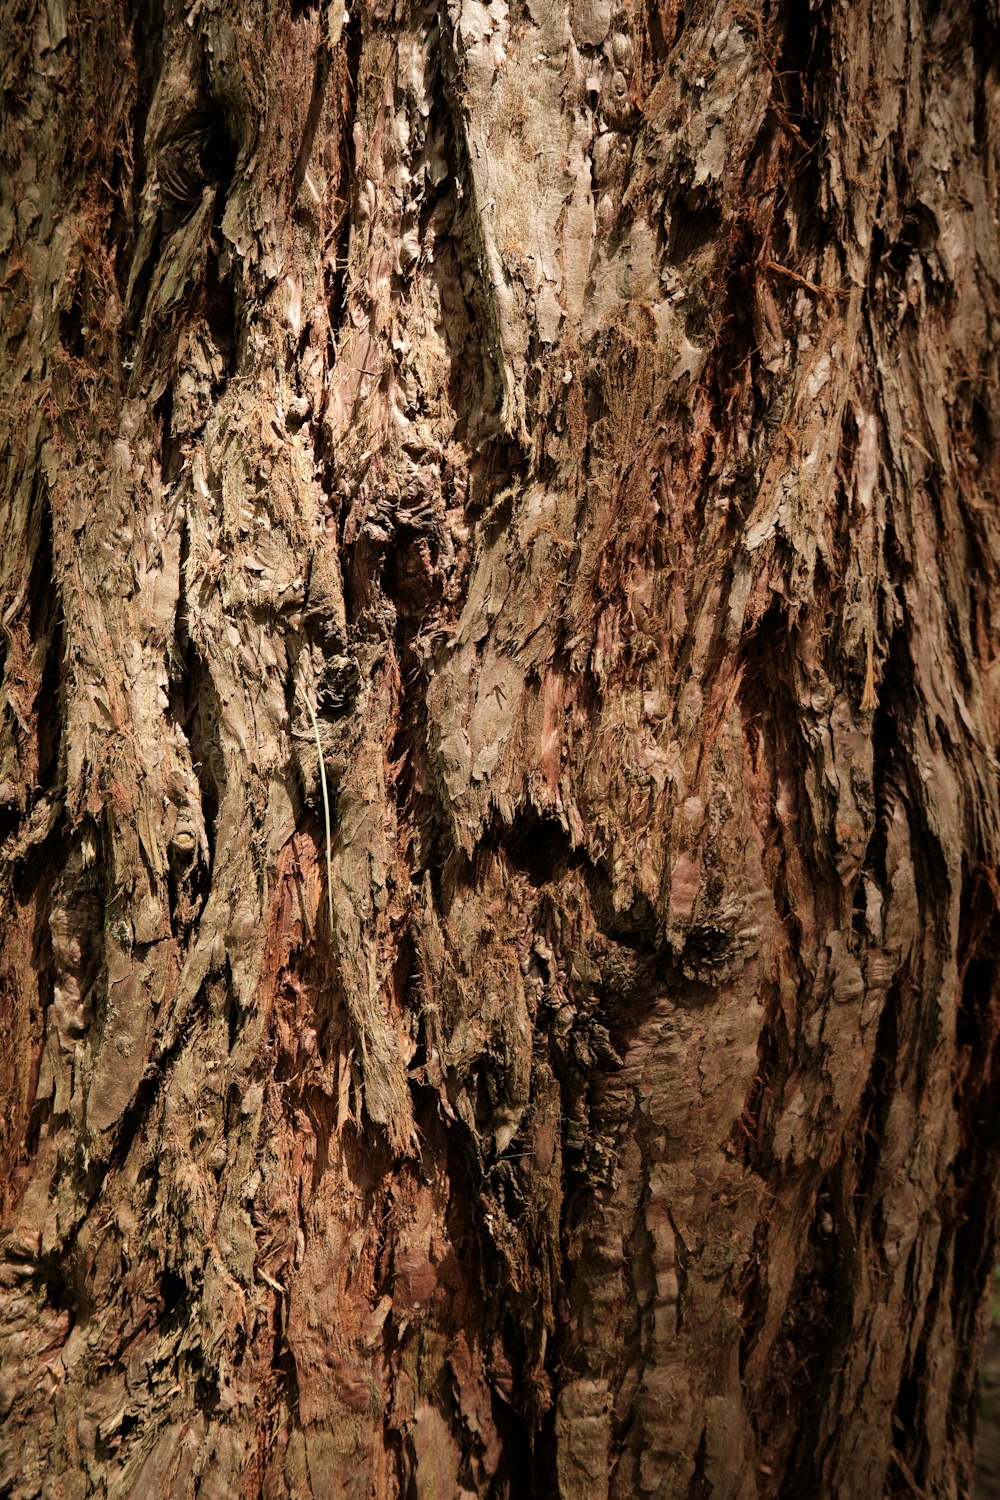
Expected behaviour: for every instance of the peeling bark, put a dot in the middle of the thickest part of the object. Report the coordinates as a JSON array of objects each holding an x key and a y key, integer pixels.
[{"x": 589, "y": 412}]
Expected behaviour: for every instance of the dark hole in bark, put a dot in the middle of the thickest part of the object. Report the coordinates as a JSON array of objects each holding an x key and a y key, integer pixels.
[
  {"x": 44, "y": 616},
  {"x": 110, "y": 1443},
  {"x": 693, "y": 226},
  {"x": 700, "y": 1487},
  {"x": 144, "y": 18},
  {"x": 71, "y": 324},
  {"x": 878, "y": 1094},
  {"x": 972, "y": 1019},
  {"x": 173, "y": 1292},
  {"x": 220, "y": 308},
  {"x": 198, "y": 151},
  {"x": 60, "y": 1293},
  {"x": 163, "y": 413},
  {"x": 977, "y": 1102},
  {"x": 664, "y": 30},
  {"x": 802, "y": 1353},
  {"x": 206, "y": 1394},
  {"x": 539, "y": 848},
  {"x": 194, "y": 705},
  {"x": 985, "y": 425},
  {"x": 917, "y": 1382},
  {"x": 232, "y": 1007},
  {"x": 518, "y": 1467},
  {"x": 351, "y": 52}
]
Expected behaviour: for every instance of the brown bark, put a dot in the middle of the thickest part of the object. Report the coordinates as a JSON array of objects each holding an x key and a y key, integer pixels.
[{"x": 590, "y": 411}]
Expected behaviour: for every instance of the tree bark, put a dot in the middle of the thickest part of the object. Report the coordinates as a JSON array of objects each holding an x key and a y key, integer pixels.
[{"x": 574, "y": 426}]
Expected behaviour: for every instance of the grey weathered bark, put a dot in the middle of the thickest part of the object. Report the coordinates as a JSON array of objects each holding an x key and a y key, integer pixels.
[{"x": 589, "y": 409}]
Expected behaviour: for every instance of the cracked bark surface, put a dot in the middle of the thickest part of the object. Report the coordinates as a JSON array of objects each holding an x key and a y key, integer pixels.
[{"x": 590, "y": 411}]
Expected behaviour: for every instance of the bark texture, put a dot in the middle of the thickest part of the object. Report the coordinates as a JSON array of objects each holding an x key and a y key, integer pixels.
[{"x": 588, "y": 410}]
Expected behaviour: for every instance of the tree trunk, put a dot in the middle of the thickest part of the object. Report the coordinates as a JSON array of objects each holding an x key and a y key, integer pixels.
[{"x": 573, "y": 426}]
